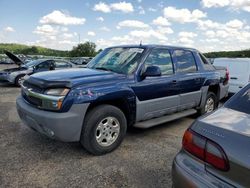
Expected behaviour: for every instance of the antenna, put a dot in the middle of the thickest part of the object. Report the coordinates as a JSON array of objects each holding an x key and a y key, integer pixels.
[{"x": 140, "y": 42}]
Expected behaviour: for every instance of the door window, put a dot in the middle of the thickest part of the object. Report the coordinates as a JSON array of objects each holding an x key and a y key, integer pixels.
[
  {"x": 185, "y": 62},
  {"x": 62, "y": 64},
  {"x": 44, "y": 65},
  {"x": 162, "y": 59}
]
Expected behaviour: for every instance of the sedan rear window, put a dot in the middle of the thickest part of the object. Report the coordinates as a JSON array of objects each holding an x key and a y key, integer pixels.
[{"x": 241, "y": 101}]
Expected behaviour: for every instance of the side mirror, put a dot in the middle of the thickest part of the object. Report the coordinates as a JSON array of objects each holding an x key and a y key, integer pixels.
[{"x": 152, "y": 71}]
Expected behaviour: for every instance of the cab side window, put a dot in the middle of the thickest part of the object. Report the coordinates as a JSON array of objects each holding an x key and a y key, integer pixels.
[
  {"x": 185, "y": 62},
  {"x": 162, "y": 59},
  {"x": 44, "y": 65},
  {"x": 62, "y": 64}
]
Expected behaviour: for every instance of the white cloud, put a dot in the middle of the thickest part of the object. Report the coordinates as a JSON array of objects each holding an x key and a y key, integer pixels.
[
  {"x": 46, "y": 30},
  {"x": 9, "y": 29},
  {"x": 232, "y": 4},
  {"x": 105, "y": 29},
  {"x": 164, "y": 30},
  {"x": 152, "y": 9},
  {"x": 68, "y": 35},
  {"x": 187, "y": 34},
  {"x": 215, "y": 3},
  {"x": 235, "y": 24},
  {"x": 101, "y": 19},
  {"x": 205, "y": 24},
  {"x": 210, "y": 34},
  {"x": 102, "y": 7},
  {"x": 91, "y": 33},
  {"x": 141, "y": 10},
  {"x": 186, "y": 41},
  {"x": 161, "y": 21},
  {"x": 132, "y": 24},
  {"x": 121, "y": 6},
  {"x": 148, "y": 34},
  {"x": 59, "y": 18},
  {"x": 183, "y": 15}
]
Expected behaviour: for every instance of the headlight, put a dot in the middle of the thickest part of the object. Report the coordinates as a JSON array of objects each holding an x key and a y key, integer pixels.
[{"x": 57, "y": 92}]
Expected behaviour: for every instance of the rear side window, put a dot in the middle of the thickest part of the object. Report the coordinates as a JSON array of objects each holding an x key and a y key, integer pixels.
[
  {"x": 162, "y": 59},
  {"x": 241, "y": 101},
  {"x": 185, "y": 62},
  {"x": 62, "y": 64}
]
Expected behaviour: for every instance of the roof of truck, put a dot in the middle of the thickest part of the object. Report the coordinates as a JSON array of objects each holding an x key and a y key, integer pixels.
[{"x": 153, "y": 46}]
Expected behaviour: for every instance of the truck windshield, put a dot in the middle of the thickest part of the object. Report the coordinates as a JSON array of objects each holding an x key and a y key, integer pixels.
[
  {"x": 241, "y": 101},
  {"x": 120, "y": 60}
]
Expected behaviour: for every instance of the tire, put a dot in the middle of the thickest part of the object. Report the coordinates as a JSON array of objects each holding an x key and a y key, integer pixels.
[
  {"x": 205, "y": 109},
  {"x": 17, "y": 80},
  {"x": 98, "y": 135}
]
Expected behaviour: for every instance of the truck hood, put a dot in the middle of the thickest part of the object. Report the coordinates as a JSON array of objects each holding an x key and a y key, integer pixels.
[
  {"x": 14, "y": 58},
  {"x": 73, "y": 77}
]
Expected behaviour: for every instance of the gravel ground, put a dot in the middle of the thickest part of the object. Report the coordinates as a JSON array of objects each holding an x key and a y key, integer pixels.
[{"x": 28, "y": 159}]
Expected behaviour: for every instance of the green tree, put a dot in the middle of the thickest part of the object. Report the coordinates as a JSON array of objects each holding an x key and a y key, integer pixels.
[{"x": 87, "y": 49}]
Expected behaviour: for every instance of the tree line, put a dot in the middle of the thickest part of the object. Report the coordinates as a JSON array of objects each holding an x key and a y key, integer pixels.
[{"x": 88, "y": 49}]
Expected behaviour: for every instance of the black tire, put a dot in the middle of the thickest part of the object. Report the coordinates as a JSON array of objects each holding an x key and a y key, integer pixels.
[
  {"x": 17, "y": 83},
  {"x": 90, "y": 126},
  {"x": 210, "y": 95}
]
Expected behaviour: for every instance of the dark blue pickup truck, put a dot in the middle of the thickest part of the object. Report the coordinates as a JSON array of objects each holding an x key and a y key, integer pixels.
[{"x": 140, "y": 86}]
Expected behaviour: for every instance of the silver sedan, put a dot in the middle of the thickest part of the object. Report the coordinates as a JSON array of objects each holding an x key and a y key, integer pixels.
[{"x": 215, "y": 149}]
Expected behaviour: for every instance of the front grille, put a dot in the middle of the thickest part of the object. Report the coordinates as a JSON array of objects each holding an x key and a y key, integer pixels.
[
  {"x": 32, "y": 100},
  {"x": 33, "y": 87}
]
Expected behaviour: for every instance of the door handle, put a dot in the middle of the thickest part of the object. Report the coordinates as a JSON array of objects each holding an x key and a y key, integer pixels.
[
  {"x": 174, "y": 81},
  {"x": 234, "y": 78}
]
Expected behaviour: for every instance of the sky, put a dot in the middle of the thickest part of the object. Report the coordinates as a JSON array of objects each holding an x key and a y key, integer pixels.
[{"x": 208, "y": 25}]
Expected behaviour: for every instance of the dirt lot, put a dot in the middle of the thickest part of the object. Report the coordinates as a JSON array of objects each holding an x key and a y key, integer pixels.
[{"x": 28, "y": 159}]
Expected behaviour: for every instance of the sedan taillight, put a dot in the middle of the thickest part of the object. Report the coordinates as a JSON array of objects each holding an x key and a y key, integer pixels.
[{"x": 205, "y": 149}]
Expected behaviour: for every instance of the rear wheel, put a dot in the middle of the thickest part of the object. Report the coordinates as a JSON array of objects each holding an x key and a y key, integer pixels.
[
  {"x": 210, "y": 105},
  {"x": 19, "y": 80},
  {"x": 103, "y": 130}
]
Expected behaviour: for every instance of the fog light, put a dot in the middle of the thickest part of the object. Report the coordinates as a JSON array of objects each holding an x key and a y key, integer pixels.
[{"x": 49, "y": 132}]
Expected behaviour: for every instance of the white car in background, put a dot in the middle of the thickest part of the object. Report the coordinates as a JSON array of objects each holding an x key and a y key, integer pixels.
[{"x": 239, "y": 71}]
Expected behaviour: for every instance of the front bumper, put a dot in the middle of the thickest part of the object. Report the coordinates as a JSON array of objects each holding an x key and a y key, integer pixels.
[
  {"x": 65, "y": 126},
  {"x": 190, "y": 172}
]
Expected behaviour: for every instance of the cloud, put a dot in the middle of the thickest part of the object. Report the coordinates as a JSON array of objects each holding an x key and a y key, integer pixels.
[
  {"x": 91, "y": 33},
  {"x": 59, "y": 18},
  {"x": 152, "y": 9},
  {"x": 104, "y": 29},
  {"x": 141, "y": 10},
  {"x": 161, "y": 21},
  {"x": 101, "y": 19},
  {"x": 187, "y": 34},
  {"x": 148, "y": 34},
  {"x": 235, "y": 24},
  {"x": 183, "y": 15},
  {"x": 102, "y": 7},
  {"x": 107, "y": 8},
  {"x": 132, "y": 24},
  {"x": 46, "y": 30},
  {"x": 232, "y": 4},
  {"x": 122, "y": 6},
  {"x": 9, "y": 29},
  {"x": 68, "y": 35}
]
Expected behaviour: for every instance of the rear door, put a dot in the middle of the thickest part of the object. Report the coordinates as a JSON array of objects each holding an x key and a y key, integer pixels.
[
  {"x": 157, "y": 96},
  {"x": 189, "y": 79}
]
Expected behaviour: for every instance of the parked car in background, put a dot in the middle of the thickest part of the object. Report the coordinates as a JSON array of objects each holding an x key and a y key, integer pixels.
[
  {"x": 215, "y": 149},
  {"x": 16, "y": 75},
  {"x": 239, "y": 70},
  {"x": 81, "y": 60},
  {"x": 140, "y": 86}
]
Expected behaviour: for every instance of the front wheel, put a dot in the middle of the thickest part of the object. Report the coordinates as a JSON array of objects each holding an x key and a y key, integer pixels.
[
  {"x": 103, "y": 130},
  {"x": 19, "y": 80}
]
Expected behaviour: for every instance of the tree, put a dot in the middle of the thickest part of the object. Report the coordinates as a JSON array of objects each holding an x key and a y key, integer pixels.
[{"x": 87, "y": 49}]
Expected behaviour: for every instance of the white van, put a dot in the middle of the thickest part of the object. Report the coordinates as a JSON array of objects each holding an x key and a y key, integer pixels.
[{"x": 239, "y": 71}]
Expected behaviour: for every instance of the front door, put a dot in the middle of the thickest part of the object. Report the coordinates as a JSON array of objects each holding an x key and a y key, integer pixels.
[{"x": 157, "y": 96}]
